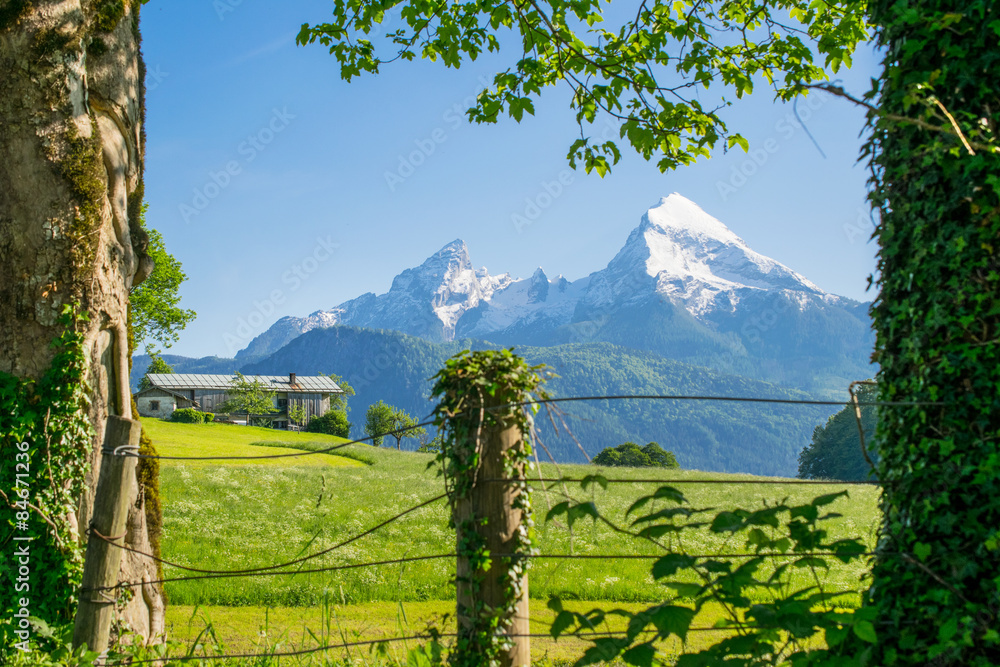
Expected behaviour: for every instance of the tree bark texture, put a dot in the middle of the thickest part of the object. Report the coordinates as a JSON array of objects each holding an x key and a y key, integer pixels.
[{"x": 71, "y": 163}]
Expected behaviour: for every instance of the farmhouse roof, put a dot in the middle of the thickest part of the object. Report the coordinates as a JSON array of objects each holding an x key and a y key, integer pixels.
[
  {"x": 303, "y": 383},
  {"x": 154, "y": 388}
]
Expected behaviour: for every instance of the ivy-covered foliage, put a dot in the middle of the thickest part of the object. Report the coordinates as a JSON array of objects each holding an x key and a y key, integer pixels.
[
  {"x": 42, "y": 485},
  {"x": 631, "y": 455},
  {"x": 476, "y": 391},
  {"x": 835, "y": 450},
  {"x": 937, "y": 319},
  {"x": 772, "y": 623}
]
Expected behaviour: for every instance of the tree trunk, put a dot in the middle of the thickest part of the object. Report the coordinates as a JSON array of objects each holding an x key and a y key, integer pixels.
[
  {"x": 71, "y": 141},
  {"x": 937, "y": 316}
]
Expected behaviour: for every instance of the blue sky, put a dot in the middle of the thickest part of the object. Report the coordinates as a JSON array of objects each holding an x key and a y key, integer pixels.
[{"x": 284, "y": 190}]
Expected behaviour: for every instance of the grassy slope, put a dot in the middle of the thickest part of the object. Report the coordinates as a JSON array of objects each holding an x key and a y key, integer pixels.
[
  {"x": 237, "y": 516},
  {"x": 216, "y": 439}
]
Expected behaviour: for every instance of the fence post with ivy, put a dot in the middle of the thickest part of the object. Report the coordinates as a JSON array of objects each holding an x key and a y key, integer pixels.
[{"x": 484, "y": 458}]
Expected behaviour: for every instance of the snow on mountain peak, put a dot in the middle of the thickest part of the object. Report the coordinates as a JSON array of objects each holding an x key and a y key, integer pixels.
[
  {"x": 694, "y": 260},
  {"x": 678, "y": 253},
  {"x": 684, "y": 242},
  {"x": 678, "y": 213}
]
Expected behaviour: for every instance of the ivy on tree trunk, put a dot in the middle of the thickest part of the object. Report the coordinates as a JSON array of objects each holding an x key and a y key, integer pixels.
[{"x": 935, "y": 580}]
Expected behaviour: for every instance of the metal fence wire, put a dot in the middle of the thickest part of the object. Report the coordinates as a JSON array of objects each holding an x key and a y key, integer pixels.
[{"x": 281, "y": 568}]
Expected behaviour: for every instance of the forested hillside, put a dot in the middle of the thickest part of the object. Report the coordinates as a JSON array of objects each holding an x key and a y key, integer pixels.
[{"x": 722, "y": 436}]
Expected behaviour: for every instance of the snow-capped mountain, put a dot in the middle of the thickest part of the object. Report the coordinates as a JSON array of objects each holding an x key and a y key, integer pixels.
[
  {"x": 683, "y": 285},
  {"x": 693, "y": 260},
  {"x": 425, "y": 301}
]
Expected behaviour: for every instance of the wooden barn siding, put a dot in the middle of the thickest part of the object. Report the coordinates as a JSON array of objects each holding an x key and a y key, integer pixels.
[
  {"x": 316, "y": 405},
  {"x": 210, "y": 399}
]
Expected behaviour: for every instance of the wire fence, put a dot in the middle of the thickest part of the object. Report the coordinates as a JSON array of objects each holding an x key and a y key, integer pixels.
[{"x": 280, "y": 569}]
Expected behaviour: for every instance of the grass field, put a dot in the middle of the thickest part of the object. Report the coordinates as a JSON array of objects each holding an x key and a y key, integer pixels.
[
  {"x": 217, "y": 439},
  {"x": 223, "y": 516},
  {"x": 246, "y": 629}
]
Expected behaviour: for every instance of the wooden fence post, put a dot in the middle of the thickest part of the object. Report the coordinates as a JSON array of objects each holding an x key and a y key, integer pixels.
[
  {"x": 496, "y": 503},
  {"x": 103, "y": 561}
]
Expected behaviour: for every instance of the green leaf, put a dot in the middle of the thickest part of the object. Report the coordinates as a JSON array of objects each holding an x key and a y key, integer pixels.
[
  {"x": 563, "y": 620},
  {"x": 641, "y": 655},
  {"x": 738, "y": 140},
  {"x": 948, "y": 630},
  {"x": 726, "y": 522},
  {"x": 587, "y": 481},
  {"x": 865, "y": 631},
  {"x": 673, "y": 619},
  {"x": 668, "y": 565}
]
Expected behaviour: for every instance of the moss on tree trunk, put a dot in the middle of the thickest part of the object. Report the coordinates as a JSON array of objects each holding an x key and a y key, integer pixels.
[{"x": 71, "y": 109}]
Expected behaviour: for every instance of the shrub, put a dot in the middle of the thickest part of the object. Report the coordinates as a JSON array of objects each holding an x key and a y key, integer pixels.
[
  {"x": 660, "y": 457},
  {"x": 333, "y": 422},
  {"x": 630, "y": 455},
  {"x": 431, "y": 447},
  {"x": 188, "y": 416},
  {"x": 208, "y": 417}
]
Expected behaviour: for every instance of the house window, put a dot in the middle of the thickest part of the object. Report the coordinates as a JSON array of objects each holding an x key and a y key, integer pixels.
[
  {"x": 154, "y": 406},
  {"x": 282, "y": 403},
  {"x": 281, "y": 425}
]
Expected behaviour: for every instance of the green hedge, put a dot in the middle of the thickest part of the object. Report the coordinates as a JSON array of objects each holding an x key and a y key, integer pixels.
[
  {"x": 191, "y": 416},
  {"x": 333, "y": 422}
]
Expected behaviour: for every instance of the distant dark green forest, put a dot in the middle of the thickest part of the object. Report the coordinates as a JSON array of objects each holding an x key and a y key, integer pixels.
[
  {"x": 706, "y": 435},
  {"x": 835, "y": 451}
]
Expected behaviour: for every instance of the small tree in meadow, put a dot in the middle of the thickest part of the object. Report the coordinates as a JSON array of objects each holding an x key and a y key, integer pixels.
[
  {"x": 249, "y": 397},
  {"x": 383, "y": 419},
  {"x": 379, "y": 420},
  {"x": 404, "y": 425},
  {"x": 297, "y": 413}
]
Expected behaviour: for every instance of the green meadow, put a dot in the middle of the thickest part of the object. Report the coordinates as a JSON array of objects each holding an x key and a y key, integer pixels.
[{"x": 232, "y": 515}]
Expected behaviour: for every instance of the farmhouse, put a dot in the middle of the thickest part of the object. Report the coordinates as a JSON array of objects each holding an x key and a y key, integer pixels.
[{"x": 170, "y": 391}]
